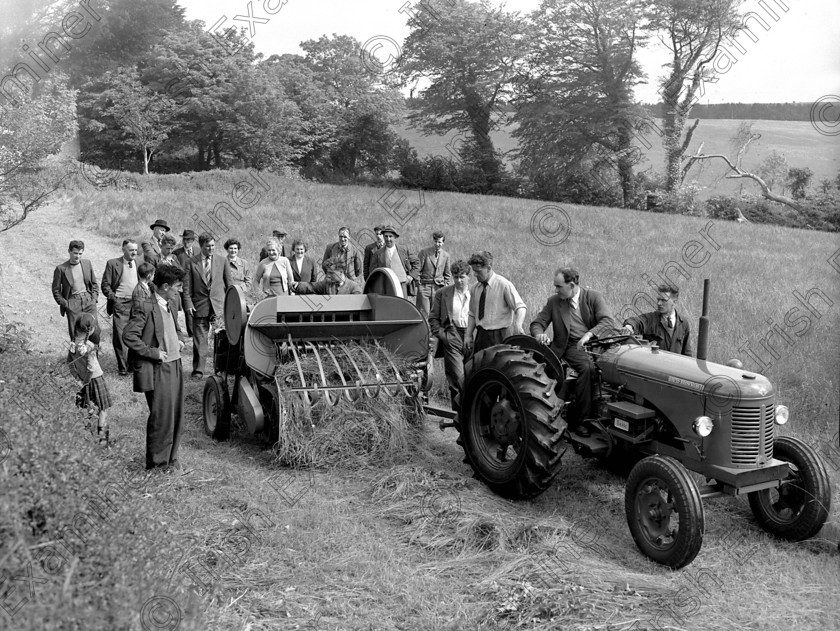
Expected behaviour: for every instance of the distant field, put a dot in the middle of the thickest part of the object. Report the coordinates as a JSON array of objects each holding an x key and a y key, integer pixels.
[{"x": 799, "y": 141}]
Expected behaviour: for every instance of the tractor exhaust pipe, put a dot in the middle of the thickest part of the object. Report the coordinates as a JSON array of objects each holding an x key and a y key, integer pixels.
[{"x": 703, "y": 329}]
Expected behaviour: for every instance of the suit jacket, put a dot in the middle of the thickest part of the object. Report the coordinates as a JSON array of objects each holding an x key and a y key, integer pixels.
[
  {"x": 111, "y": 281},
  {"x": 370, "y": 248},
  {"x": 440, "y": 274},
  {"x": 649, "y": 326},
  {"x": 308, "y": 270},
  {"x": 593, "y": 312},
  {"x": 355, "y": 265},
  {"x": 443, "y": 308},
  {"x": 151, "y": 251},
  {"x": 143, "y": 336},
  {"x": 411, "y": 264},
  {"x": 182, "y": 257},
  {"x": 62, "y": 283},
  {"x": 323, "y": 288},
  {"x": 206, "y": 300}
]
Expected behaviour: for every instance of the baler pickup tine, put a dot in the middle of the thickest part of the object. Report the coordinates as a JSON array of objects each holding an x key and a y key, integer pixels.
[
  {"x": 397, "y": 375},
  {"x": 321, "y": 370},
  {"x": 379, "y": 378},
  {"x": 305, "y": 394},
  {"x": 361, "y": 379},
  {"x": 347, "y": 394}
]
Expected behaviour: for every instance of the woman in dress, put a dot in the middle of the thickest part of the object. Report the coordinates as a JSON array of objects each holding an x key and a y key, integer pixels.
[
  {"x": 304, "y": 268},
  {"x": 274, "y": 273}
]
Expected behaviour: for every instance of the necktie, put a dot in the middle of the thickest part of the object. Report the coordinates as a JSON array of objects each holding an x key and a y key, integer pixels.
[
  {"x": 669, "y": 322},
  {"x": 481, "y": 301},
  {"x": 130, "y": 264},
  {"x": 388, "y": 256},
  {"x": 207, "y": 270}
]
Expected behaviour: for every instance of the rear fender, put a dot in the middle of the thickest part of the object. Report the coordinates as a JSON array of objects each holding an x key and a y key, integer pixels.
[{"x": 542, "y": 353}]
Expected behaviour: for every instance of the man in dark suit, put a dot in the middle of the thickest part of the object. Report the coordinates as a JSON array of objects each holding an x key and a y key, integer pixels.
[
  {"x": 664, "y": 326},
  {"x": 399, "y": 259},
  {"x": 74, "y": 286},
  {"x": 118, "y": 283},
  {"x": 434, "y": 272},
  {"x": 187, "y": 251},
  {"x": 285, "y": 250},
  {"x": 334, "y": 282},
  {"x": 151, "y": 248},
  {"x": 576, "y": 315},
  {"x": 344, "y": 251},
  {"x": 155, "y": 344},
  {"x": 206, "y": 281},
  {"x": 370, "y": 248},
  {"x": 448, "y": 320}
]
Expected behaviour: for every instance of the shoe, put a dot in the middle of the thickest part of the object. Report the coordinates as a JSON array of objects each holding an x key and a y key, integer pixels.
[
  {"x": 123, "y": 373},
  {"x": 580, "y": 430},
  {"x": 198, "y": 376},
  {"x": 177, "y": 466}
]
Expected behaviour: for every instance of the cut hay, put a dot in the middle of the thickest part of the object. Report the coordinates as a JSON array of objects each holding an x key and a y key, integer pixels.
[{"x": 380, "y": 427}]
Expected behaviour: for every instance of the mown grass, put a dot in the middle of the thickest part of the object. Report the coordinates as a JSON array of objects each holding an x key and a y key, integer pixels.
[{"x": 422, "y": 545}]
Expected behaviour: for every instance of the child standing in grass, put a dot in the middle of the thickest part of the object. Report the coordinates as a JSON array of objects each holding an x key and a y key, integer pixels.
[{"x": 84, "y": 364}]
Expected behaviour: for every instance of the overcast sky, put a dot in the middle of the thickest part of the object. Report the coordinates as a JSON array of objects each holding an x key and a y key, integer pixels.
[{"x": 797, "y": 59}]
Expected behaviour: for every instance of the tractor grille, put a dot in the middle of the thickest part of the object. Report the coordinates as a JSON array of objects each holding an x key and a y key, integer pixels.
[{"x": 752, "y": 434}]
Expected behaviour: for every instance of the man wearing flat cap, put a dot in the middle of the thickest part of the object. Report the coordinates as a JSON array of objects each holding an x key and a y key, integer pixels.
[
  {"x": 151, "y": 248},
  {"x": 285, "y": 250},
  {"x": 399, "y": 259}
]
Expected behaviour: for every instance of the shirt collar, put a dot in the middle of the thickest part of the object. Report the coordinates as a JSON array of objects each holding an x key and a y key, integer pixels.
[
  {"x": 161, "y": 301},
  {"x": 575, "y": 299}
]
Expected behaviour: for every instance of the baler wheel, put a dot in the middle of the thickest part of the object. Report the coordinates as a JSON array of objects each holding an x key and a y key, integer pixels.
[
  {"x": 215, "y": 408},
  {"x": 664, "y": 511},
  {"x": 800, "y": 506},
  {"x": 509, "y": 426}
]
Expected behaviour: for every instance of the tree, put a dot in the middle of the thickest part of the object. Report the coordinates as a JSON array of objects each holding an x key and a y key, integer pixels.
[
  {"x": 798, "y": 181},
  {"x": 692, "y": 30},
  {"x": 471, "y": 53},
  {"x": 30, "y": 133},
  {"x": 742, "y": 139},
  {"x": 576, "y": 106},
  {"x": 773, "y": 169},
  {"x": 144, "y": 117}
]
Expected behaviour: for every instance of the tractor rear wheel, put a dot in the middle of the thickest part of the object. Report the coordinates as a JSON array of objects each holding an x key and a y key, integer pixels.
[
  {"x": 215, "y": 408},
  {"x": 800, "y": 506},
  {"x": 509, "y": 424},
  {"x": 664, "y": 511}
]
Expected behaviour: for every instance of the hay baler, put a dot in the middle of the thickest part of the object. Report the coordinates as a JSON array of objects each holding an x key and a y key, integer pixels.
[
  {"x": 667, "y": 413},
  {"x": 290, "y": 331}
]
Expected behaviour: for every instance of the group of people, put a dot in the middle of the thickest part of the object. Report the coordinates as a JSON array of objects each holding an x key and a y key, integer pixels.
[{"x": 144, "y": 300}]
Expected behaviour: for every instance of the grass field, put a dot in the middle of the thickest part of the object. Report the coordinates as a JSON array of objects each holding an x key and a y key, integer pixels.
[
  {"x": 801, "y": 144},
  {"x": 362, "y": 549}
]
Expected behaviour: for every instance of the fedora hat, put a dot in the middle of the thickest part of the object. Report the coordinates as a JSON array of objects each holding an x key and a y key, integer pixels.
[
  {"x": 391, "y": 230},
  {"x": 188, "y": 234},
  {"x": 161, "y": 223}
]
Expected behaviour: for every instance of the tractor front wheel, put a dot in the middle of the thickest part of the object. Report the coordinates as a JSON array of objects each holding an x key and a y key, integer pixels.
[
  {"x": 798, "y": 508},
  {"x": 664, "y": 511},
  {"x": 509, "y": 426},
  {"x": 215, "y": 408}
]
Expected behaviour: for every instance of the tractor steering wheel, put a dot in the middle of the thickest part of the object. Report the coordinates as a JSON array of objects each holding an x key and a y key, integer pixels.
[{"x": 604, "y": 342}]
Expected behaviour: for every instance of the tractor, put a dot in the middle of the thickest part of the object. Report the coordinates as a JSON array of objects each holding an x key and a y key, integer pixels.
[{"x": 668, "y": 413}]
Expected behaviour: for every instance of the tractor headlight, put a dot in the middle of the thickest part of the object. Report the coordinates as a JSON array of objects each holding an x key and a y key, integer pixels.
[
  {"x": 703, "y": 426},
  {"x": 782, "y": 414}
]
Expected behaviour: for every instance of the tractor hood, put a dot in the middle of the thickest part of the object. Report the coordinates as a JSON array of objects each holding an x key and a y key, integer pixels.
[{"x": 634, "y": 366}]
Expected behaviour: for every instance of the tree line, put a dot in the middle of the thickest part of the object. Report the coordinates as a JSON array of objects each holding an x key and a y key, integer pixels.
[{"x": 154, "y": 92}]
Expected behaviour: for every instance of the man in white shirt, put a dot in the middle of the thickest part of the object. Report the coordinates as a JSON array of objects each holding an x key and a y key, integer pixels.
[
  {"x": 495, "y": 305},
  {"x": 664, "y": 326},
  {"x": 118, "y": 283},
  {"x": 448, "y": 320}
]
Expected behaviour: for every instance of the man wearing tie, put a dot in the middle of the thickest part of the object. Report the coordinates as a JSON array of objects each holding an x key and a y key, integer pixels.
[
  {"x": 118, "y": 283},
  {"x": 370, "y": 248},
  {"x": 434, "y": 272},
  {"x": 399, "y": 259},
  {"x": 494, "y": 305},
  {"x": 576, "y": 316},
  {"x": 206, "y": 281},
  {"x": 664, "y": 326},
  {"x": 348, "y": 254},
  {"x": 151, "y": 248},
  {"x": 184, "y": 253}
]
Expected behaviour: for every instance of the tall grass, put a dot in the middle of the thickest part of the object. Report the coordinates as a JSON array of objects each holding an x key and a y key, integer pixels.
[{"x": 753, "y": 273}]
